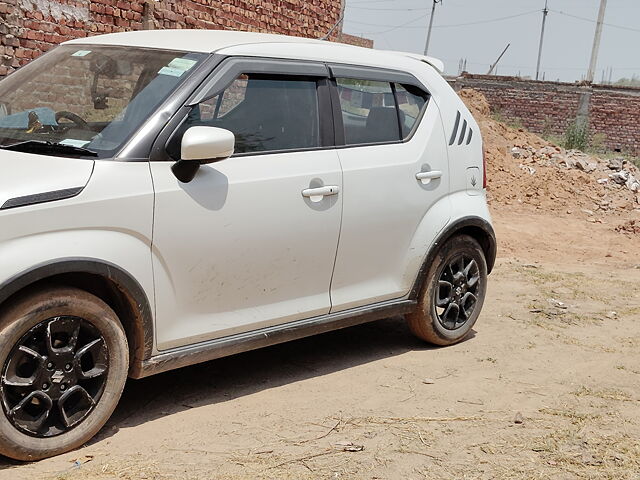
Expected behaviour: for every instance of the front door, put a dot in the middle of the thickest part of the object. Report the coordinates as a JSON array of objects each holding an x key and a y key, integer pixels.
[{"x": 251, "y": 241}]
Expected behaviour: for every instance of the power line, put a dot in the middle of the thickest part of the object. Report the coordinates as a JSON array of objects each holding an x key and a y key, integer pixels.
[
  {"x": 443, "y": 26},
  {"x": 369, "y": 1},
  {"x": 388, "y": 9},
  {"x": 489, "y": 20},
  {"x": 591, "y": 20},
  {"x": 530, "y": 67},
  {"x": 392, "y": 27}
]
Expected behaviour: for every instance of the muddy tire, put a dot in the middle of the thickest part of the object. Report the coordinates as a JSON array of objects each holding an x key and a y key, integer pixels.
[
  {"x": 452, "y": 294},
  {"x": 64, "y": 360}
]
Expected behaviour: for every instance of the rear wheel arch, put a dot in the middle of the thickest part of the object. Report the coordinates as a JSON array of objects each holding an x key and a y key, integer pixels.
[
  {"x": 113, "y": 285},
  {"x": 476, "y": 227}
]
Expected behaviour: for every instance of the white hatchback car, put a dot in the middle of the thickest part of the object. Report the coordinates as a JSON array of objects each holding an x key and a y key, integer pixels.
[{"x": 171, "y": 197}]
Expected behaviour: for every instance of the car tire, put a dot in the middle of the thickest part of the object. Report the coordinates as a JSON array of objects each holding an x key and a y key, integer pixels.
[
  {"x": 64, "y": 360},
  {"x": 452, "y": 294}
]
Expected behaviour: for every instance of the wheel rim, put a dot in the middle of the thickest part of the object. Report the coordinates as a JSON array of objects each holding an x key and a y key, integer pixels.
[
  {"x": 456, "y": 296},
  {"x": 54, "y": 376}
]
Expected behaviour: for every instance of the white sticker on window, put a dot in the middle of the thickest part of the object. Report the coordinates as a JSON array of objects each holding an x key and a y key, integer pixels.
[
  {"x": 81, "y": 53},
  {"x": 74, "y": 143},
  {"x": 183, "y": 64},
  {"x": 177, "y": 67},
  {"x": 174, "y": 72}
]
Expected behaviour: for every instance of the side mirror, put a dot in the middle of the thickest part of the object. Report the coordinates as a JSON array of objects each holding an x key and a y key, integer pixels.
[{"x": 202, "y": 145}]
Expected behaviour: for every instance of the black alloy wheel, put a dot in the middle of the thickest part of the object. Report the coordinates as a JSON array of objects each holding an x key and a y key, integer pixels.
[
  {"x": 64, "y": 361},
  {"x": 457, "y": 292},
  {"x": 453, "y": 292},
  {"x": 54, "y": 376}
]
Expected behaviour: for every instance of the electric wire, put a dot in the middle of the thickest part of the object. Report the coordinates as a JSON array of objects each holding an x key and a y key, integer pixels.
[{"x": 407, "y": 24}]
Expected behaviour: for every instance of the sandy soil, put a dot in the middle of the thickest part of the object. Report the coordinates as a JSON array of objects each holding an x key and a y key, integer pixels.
[
  {"x": 569, "y": 372},
  {"x": 546, "y": 387}
]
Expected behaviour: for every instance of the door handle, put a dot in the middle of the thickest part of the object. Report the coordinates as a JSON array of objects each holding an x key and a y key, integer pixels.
[
  {"x": 320, "y": 192},
  {"x": 426, "y": 177}
]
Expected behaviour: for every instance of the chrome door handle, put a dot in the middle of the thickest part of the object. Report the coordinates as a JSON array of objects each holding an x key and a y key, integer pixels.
[
  {"x": 426, "y": 177},
  {"x": 320, "y": 191}
]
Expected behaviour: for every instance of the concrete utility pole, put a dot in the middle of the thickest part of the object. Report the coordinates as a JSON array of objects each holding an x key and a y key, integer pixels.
[
  {"x": 433, "y": 11},
  {"x": 584, "y": 103},
  {"x": 545, "y": 12},
  {"x": 493, "y": 67},
  {"x": 596, "y": 42}
]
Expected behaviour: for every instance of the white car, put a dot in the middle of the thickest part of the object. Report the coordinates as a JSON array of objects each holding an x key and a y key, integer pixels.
[{"x": 171, "y": 197}]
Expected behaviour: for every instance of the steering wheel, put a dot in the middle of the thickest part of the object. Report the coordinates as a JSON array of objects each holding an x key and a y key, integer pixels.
[{"x": 77, "y": 119}]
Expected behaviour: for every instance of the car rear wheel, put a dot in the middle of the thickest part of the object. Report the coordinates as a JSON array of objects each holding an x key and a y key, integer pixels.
[
  {"x": 64, "y": 360},
  {"x": 453, "y": 293}
]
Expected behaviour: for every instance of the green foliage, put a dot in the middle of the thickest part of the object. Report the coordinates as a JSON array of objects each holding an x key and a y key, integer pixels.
[
  {"x": 576, "y": 136},
  {"x": 597, "y": 143}
]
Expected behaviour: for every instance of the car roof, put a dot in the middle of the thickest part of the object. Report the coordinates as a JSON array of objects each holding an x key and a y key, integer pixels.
[
  {"x": 205, "y": 41},
  {"x": 209, "y": 41}
]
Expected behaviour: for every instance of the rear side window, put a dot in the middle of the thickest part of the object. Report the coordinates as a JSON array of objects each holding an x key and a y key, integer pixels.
[
  {"x": 265, "y": 113},
  {"x": 411, "y": 102},
  {"x": 368, "y": 110},
  {"x": 379, "y": 112}
]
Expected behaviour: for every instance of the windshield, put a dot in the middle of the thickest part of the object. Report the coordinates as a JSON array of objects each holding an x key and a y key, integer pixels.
[{"x": 91, "y": 98}]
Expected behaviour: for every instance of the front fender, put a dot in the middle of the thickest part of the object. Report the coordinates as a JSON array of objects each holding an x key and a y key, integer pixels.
[{"x": 109, "y": 223}]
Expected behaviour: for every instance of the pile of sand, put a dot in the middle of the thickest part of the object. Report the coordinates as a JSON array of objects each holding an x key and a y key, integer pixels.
[{"x": 526, "y": 171}]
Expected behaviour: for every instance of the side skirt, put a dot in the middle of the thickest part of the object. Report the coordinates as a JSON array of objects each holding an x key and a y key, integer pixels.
[{"x": 222, "y": 347}]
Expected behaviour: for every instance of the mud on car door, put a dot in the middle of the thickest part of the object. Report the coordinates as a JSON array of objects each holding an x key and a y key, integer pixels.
[{"x": 251, "y": 241}]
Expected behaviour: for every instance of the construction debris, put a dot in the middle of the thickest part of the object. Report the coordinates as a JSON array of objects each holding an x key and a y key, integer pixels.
[{"x": 524, "y": 170}]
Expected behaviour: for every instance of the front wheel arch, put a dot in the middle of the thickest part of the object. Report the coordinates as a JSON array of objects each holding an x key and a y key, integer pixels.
[{"x": 113, "y": 285}]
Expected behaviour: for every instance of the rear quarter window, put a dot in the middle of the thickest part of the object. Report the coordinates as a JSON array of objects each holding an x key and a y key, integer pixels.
[
  {"x": 411, "y": 103},
  {"x": 379, "y": 112}
]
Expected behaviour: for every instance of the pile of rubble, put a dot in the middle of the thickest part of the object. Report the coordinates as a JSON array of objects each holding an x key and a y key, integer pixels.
[
  {"x": 526, "y": 171},
  {"x": 616, "y": 171}
]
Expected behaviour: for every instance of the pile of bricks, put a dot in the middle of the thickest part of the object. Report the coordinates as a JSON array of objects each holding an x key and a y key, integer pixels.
[{"x": 30, "y": 27}]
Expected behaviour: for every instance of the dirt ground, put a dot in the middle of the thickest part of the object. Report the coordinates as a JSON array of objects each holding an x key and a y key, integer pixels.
[{"x": 546, "y": 387}]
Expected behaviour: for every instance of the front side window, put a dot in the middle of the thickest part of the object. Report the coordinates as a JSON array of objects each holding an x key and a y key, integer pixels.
[
  {"x": 264, "y": 112},
  {"x": 87, "y": 100},
  {"x": 369, "y": 111}
]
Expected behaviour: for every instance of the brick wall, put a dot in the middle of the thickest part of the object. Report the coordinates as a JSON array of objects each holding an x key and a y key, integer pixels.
[
  {"x": 30, "y": 27},
  {"x": 550, "y": 107},
  {"x": 354, "y": 40}
]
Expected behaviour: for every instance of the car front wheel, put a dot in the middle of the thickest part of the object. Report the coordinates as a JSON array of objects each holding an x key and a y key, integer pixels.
[
  {"x": 452, "y": 294},
  {"x": 64, "y": 360}
]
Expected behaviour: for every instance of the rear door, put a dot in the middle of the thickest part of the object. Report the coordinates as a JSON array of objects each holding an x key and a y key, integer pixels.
[
  {"x": 395, "y": 169},
  {"x": 251, "y": 241}
]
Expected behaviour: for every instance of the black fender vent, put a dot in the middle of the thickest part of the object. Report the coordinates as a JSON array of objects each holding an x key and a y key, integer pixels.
[{"x": 463, "y": 131}]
